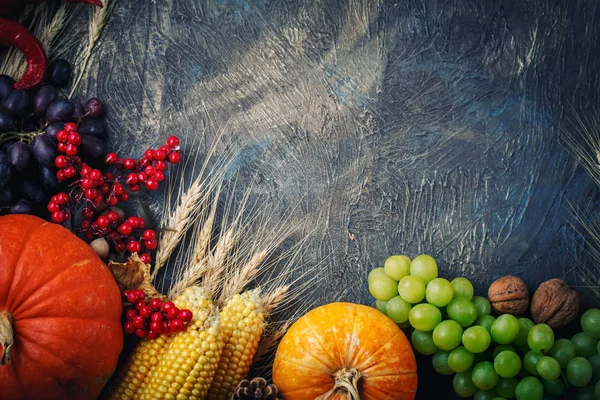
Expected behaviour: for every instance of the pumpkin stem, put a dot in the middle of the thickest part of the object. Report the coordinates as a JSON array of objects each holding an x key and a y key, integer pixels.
[
  {"x": 7, "y": 337},
  {"x": 346, "y": 381}
]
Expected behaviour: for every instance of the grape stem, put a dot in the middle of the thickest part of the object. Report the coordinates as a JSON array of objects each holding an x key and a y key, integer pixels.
[{"x": 25, "y": 136}]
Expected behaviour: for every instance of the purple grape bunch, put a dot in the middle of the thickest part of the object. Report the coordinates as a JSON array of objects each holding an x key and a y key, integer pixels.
[{"x": 29, "y": 122}]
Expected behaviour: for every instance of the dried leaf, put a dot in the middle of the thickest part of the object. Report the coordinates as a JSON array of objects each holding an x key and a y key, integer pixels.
[{"x": 134, "y": 274}]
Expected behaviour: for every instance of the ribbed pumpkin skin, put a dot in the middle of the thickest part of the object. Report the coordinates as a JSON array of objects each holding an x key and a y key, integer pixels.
[
  {"x": 66, "y": 308},
  {"x": 344, "y": 335}
]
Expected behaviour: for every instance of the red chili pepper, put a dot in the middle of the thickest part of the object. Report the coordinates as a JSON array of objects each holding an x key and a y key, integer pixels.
[{"x": 14, "y": 34}]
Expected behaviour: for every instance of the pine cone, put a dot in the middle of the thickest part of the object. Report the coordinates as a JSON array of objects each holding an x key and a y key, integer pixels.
[{"x": 256, "y": 389}]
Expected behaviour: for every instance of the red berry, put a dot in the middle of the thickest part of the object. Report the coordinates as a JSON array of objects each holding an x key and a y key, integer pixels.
[
  {"x": 85, "y": 170},
  {"x": 160, "y": 165},
  {"x": 130, "y": 314},
  {"x": 142, "y": 177},
  {"x": 185, "y": 315},
  {"x": 97, "y": 200},
  {"x": 165, "y": 327},
  {"x": 174, "y": 157},
  {"x": 118, "y": 188},
  {"x": 61, "y": 147},
  {"x": 112, "y": 216},
  {"x": 60, "y": 175},
  {"x": 155, "y": 303},
  {"x": 173, "y": 141},
  {"x": 139, "y": 322},
  {"x": 70, "y": 171},
  {"x": 149, "y": 234},
  {"x": 156, "y": 326},
  {"x": 111, "y": 159},
  {"x": 70, "y": 127},
  {"x": 96, "y": 175},
  {"x": 165, "y": 148},
  {"x": 74, "y": 138},
  {"x": 167, "y": 305},
  {"x": 57, "y": 217},
  {"x": 112, "y": 200},
  {"x": 109, "y": 176},
  {"x": 157, "y": 316},
  {"x": 125, "y": 228},
  {"x": 129, "y": 163},
  {"x": 131, "y": 296},
  {"x": 136, "y": 222},
  {"x": 144, "y": 162},
  {"x": 134, "y": 188},
  {"x": 140, "y": 303},
  {"x": 160, "y": 155},
  {"x": 62, "y": 136},
  {"x": 149, "y": 154},
  {"x": 150, "y": 244},
  {"x": 146, "y": 312},
  {"x": 129, "y": 328},
  {"x": 61, "y": 161},
  {"x": 91, "y": 193},
  {"x": 104, "y": 188},
  {"x": 172, "y": 312},
  {"x": 53, "y": 206},
  {"x": 150, "y": 170},
  {"x": 120, "y": 247},
  {"x": 62, "y": 198},
  {"x": 141, "y": 333},
  {"x": 71, "y": 150},
  {"x": 132, "y": 179},
  {"x": 176, "y": 325},
  {"x": 124, "y": 196},
  {"x": 134, "y": 246},
  {"x": 87, "y": 183},
  {"x": 103, "y": 222},
  {"x": 87, "y": 213},
  {"x": 85, "y": 224},
  {"x": 140, "y": 293},
  {"x": 151, "y": 184},
  {"x": 66, "y": 215},
  {"x": 153, "y": 335}
]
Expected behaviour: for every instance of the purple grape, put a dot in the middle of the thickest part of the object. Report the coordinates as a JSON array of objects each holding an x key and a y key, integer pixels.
[
  {"x": 19, "y": 156},
  {"x": 44, "y": 150},
  {"x": 33, "y": 191},
  {"x": 42, "y": 99},
  {"x": 91, "y": 147},
  {"x": 94, "y": 107},
  {"x": 7, "y": 122},
  {"x": 52, "y": 129},
  {"x": 92, "y": 126},
  {"x": 16, "y": 102},
  {"x": 60, "y": 110},
  {"x": 59, "y": 72},
  {"x": 48, "y": 178},
  {"x": 6, "y": 196},
  {"x": 7, "y": 85},
  {"x": 5, "y": 171},
  {"x": 21, "y": 207},
  {"x": 78, "y": 113}
]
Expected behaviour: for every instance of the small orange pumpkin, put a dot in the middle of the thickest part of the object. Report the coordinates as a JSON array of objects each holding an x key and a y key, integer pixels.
[
  {"x": 345, "y": 351},
  {"x": 60, "y": 310}
]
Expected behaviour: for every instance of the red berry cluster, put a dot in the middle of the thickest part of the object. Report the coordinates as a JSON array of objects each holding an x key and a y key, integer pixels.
[
  {"x": 97, "y": 191},
  {"x": 153, "y": 318}
]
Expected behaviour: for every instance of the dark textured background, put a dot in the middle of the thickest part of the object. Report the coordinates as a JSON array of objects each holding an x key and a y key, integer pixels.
[{"x": 398, "y": 126}]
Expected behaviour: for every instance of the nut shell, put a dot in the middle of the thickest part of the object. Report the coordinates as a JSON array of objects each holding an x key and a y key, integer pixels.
[
  {"x": 509, "y": 295},
  {"x": 554, "y": 303}
]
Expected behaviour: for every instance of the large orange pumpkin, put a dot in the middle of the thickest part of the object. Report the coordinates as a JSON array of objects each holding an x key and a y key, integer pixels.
[
  {"x": 345, "y": 351},
  {"x": 60, "y": 308}
]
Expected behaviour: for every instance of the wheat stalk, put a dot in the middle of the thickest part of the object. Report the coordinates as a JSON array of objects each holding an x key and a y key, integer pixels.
[
  {"x": 95, "y": 26},
  {"x": 269, "y": 340}
]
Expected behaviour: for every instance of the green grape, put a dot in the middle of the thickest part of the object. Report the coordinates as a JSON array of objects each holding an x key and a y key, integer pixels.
[
  {"x": 404, "y": 325},
  {"x": 460, "y": 359},
  {"x": 483, "y": 356},
  {"x": 380, "y": 305},
  {"x": 482, "y": 305},
  {"x": 548, "y": 368},
  {"x": 597, "y": 390},
  {"x": 463, "y": 384},
  {"x": 563, "y": 350},
  {"x": 425, "y": 267},
  {"x": 530, "y": 388},
  {"x": 555, "y": 387},
  {"x": 484, "y": 375},
  {"x": 376, "y": 272},
  {"x": 505, "y": 329},
  {"x": 598, "y": 347},
  {"x": 397, "y": 267},
  {"x": 595, "y": 362},
  {"x": 476, "y": 339},
  {"x": 540, "y": 338},
  {"x": 439, "y": 292},
  {"x": 447, "y": 335},
  {"x": 507, "y": 364},
  {"x": 579, "y": 372},
  {"x": 503, "y": 347},
  {"x": 440, "y": 362},
  {"x": 506, "y": 387},
  {"x": 424, "y": 317},
  {"x": 486, "y": 395},
  {"x": 525, "y": 324},
  {"x": 397, "y": 309},
  {"x": 462, "y": 288},
  {"x": 462, "y": 311},
  {"x": 590, "y": 322},
  {"x": 423, "y": 342},
  {"x": 412, "y": 289},
  {"x": 383, "y": 288},
  {"x": 585, "y": 345},
  {"x": 486, "y": 321},
  {"x": 530, "y": 360},
  {"x": 586, "y": 393}
]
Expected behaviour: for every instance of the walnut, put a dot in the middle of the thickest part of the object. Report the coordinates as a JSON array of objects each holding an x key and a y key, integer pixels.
[
  {"x": 509, "y": 295},
  {"x": 554, "y": 303}
]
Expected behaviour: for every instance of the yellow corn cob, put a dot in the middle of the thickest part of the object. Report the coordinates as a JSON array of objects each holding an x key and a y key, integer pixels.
[
  {"x": 147, "y": 353},
  {"x": 242, "y": 323},
  {"x": 188, "y": 364}
]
